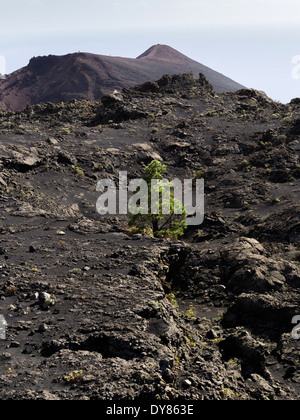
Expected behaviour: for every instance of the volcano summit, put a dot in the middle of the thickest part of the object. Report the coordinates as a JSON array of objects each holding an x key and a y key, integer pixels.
[{"x": 90, "y": 76}]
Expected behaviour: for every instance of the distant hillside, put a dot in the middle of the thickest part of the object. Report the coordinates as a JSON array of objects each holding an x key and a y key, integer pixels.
[{"x": 90, "y": 76}]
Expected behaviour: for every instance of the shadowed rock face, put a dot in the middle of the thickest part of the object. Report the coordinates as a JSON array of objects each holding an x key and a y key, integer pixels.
[
  {"x": 90, "y": 76},
  {"x": 94, "y": 313}
]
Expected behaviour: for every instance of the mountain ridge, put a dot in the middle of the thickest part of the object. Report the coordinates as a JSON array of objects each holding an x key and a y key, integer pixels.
[{"x": 90, "y": 76}]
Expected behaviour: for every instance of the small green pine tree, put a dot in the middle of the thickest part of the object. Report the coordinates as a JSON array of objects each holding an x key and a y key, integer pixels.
[{"x": 160, "y": 225}]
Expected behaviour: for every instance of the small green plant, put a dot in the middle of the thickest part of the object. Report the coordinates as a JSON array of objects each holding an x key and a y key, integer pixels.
[
  {"x": 177, "y": 360},
  {"x": 190, "y": 341},
  {"x": 74, "y": 377},
  {"x": 49, "y": 302},
  {"x": 66, "y": 130},
  {"x": 245, "y": 163},
  {"x": 79, "y": 171},
  {"x": 244, "y": 115},
  {"x": 191, "y": 313},
  {"x": 234, "y": 362},
  {"x": 229, "y": 394},
  {"x": 157, "y": 305},
  {"x": 262, "y": 144},
  {"x": 212, "y": 114},
  {"x": 297, "y": 363},
  {"x": 200, "y": 174},
  {"x": 288, "y": 118},
  {"x": 75, "y": 270},
  {"x": 172, "y": 298}
]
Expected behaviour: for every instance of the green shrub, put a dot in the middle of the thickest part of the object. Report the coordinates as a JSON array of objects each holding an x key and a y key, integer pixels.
[
  {"x": 79, "y": 171},
  {"x": 159, "y": 225}
]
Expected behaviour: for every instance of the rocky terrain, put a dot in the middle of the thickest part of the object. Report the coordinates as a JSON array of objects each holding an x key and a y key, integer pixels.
[
  {"x": 90, "y": 76},
  {"x": 94, "y": 313}
]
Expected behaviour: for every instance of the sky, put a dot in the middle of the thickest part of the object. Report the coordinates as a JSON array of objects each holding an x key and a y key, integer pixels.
[{"x": 255, "y": 42}]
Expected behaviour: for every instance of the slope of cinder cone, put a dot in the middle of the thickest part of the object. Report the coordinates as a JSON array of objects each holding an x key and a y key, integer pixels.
[{"x": 90, "y": 76}]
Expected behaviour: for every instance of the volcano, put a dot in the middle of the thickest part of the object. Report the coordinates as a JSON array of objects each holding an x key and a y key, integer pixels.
[{"x": 90, "y": 76}]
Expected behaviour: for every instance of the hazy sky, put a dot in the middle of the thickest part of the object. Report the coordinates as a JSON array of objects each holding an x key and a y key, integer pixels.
[{"x": 252, "y": 41}]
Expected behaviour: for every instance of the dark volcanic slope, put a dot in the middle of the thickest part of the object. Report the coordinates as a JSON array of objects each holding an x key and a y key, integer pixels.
[
  {"x": 90, "y": 76},
  {"x": 94, "y": 313}
]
